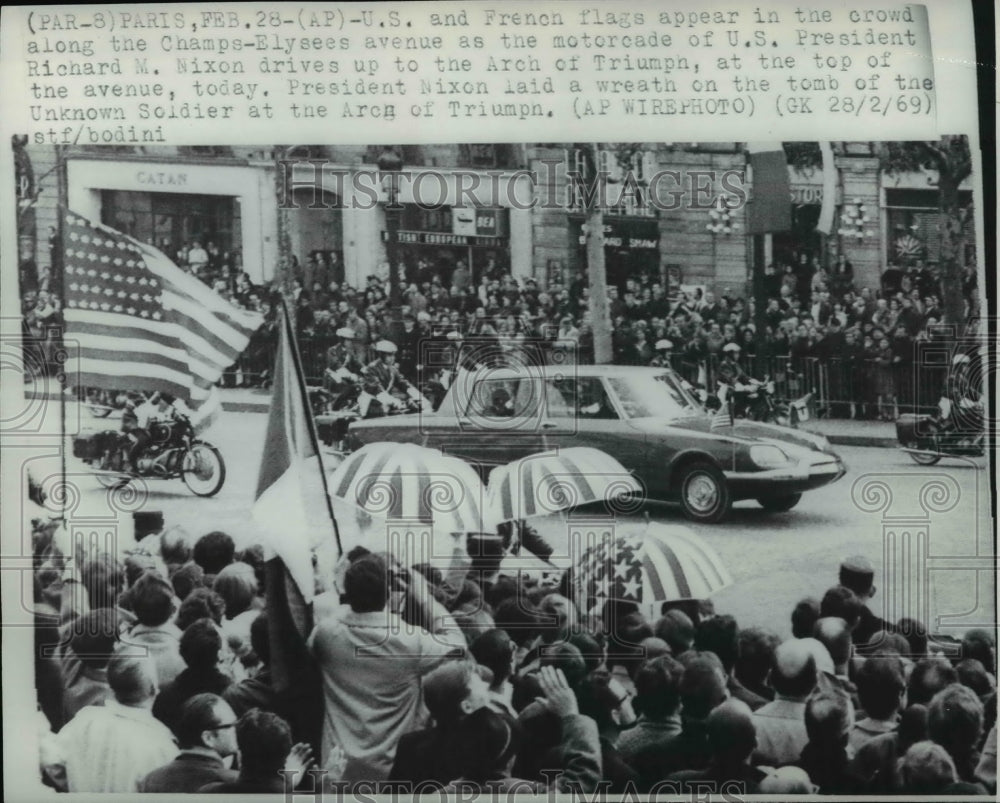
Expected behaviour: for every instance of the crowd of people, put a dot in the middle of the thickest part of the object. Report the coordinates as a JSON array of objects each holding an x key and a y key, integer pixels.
[
  {"x": 157, "y": 673},
  {"x": 856, "y": 348}
]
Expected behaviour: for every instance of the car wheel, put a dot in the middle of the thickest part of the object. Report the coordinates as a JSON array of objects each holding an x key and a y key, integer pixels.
[
  {"x": 704, "y": 493},
  {"x": 779, "y": 504}
]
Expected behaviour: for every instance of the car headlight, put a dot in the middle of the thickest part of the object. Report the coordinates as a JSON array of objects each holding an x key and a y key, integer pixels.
[
  {"x": 764, "y": 455},
  {"x": 822, "y": 443}
]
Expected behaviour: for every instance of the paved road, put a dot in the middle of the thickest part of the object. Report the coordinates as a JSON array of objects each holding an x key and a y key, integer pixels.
[{"x": 775, "y": 559}]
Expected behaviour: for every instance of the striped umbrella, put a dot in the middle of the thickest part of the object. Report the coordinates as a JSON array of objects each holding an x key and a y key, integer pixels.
[
  {"x": 548, "y": 482},
  {"x": 663, "y": 564},
  {"x": 405, "y": 481}
]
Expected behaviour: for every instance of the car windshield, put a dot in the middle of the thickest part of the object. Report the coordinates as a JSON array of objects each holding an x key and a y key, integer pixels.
[{"x": 645, "y": 395}]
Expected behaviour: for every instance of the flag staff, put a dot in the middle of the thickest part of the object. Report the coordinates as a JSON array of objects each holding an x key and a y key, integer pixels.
[
  {"x": 62, "y": 377},
  {"x": 311, "y": 425}
]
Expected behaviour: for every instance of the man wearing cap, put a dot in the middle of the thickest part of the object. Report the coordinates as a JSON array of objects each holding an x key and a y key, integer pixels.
[
  {"x": 451, "y": 693},
  {"x": 858, "y": 574},
  {"x": 409, "y": 348},
  {"x": 780, "y": 724},
  {"x": 381, "y": 376},
  {"x": 137, "y": 419},
  {"x": 731, "y": 373},
  {"x": 664, "y": 354},
  {"x": 343, "y": 368}
]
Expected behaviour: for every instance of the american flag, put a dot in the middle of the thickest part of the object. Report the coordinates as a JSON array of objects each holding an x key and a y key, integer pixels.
[
  {"x": 612, "y": 569},
  {"x": 723, "y": 418},
  {"x": 136, "y": 321}
]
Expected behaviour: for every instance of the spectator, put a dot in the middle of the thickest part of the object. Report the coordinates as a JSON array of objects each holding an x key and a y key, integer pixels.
[
  {"x": 109, "y": 748},
  {"x": 152, "y": 600},
  {"x": 266, "y": 753},
  {"x": 213, "y": 552},
  {"x": 257, "y": 690},
  {"x": 804, "y": 617},
  {"x": 237, "y": 585},
  {"x": 732, "y": 739},
  {"x": 201, "y": 603},
  {"x": 201, "y": 647},
  {"x": 720, "y": 635},
  {"x": 842, "y": 603},
  {"x": 206, "y": 734},
  {"x": 829, "y": 719},
  {"x": 955, "y": 721},
  {"x": 756, "y": 654},
  {"x": 495, "y": 650},
  {"x": 832, "y": 632},
  {"x": 881, "y": 690},
  {"x": 657, "y": 701},
  {"x": 858, "y": 574},
  {"x": 702, "y": 688},
  {"x": 926, "y": 769},
  {"x": 875, "y": 766},
  {"x": 781, "y": 732},
  {"x": 452, "y": 692},
  {"x": 928, "y": 677},
  {"x": 600, "y": 701},
  {"x": 676, "y": 628},
  {"x": 973, "y": 675},
  {"x": 93, "y": 639},
  {"x": 370, "y": 703},
  {"x": 186, "y": 578}
]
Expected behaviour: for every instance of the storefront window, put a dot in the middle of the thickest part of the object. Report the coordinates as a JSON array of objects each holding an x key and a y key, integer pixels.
[{"x": 914, "y": 225}]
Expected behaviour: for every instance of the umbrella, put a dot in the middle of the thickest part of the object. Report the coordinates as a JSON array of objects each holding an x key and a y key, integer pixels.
[
  {"x": 548, "y": 482},
  {"x": 412, "y": 482},
  {"x": 662, "y": 564}
]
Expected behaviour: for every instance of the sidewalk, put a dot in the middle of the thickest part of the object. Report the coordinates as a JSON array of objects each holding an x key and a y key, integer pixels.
[{"x": 843, "y": 432}]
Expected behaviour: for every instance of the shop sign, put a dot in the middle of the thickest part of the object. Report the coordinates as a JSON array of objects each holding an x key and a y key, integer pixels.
[
  {"x": 478, "y": 222},
  {"x": 161, "y": 178},
  {"x": 630, "y": 235},
  {"x": 407, "y": 237}
]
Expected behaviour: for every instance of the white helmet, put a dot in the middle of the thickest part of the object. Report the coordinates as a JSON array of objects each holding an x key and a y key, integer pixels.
[{"x": 386, "y": 347}]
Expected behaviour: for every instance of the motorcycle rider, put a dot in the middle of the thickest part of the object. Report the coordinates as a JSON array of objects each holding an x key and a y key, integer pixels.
[
  {"x": 343, "y": 368},
  {"x": 960, "y": 406},
  {"x": 731, "y": 373},
  {"x": 664, "y": 354},
  {"x": 382, "y": 376},
  {"x": 138, "y": 418}
]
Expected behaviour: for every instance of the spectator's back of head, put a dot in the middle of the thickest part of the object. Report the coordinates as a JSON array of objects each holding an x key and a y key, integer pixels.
[
  {"x": 518, "y": 617},
  {"x": 793, "y": 671},
  {"x": 841, "y": 602},
  {"x": 264, "y": 740},
  {"x": 719, "y": 635},
  {"x": 972, "y": 674},
  {"x": 702, "y": 687},
  {"x": 487, "y": 741},
  {"x": 447, "y": 691},
  {"x": 494, "y": 649},
  {"x": 657, "y": 687},
  {"x": 912, "y": 726},
  {"x": 676, "y": 628},
  {"x": 829, "y": 717},
  {"x": 757, "y": 648},
  {"x": 804, "y": 616},
  {"x": 885, "y": 642},
  {"x": 591, "y": 647},
  {"x": 136, "y": 565},
  {"x": 260, "y": 639},
  {"x": 567, "y": 658},
  {"x": 955, "y": 720},
  {"x": 175, "y": 546},
  {"x": 788, "y": 780},
  {"x": 366, "y": 584},
  {"x": 186, "y": 578},
  {"x": 132, "y": 678},
  {"x": 214, "y": 551},
  {"x": 93, "y": 636},
  {"x": 199, "y": 604},
  {"x": 152, "y": 600},
  {"x": 928, "y": 677},
  {"x": 731, "y": 732},
  {"x": 981, "y": 645},
  {"x": 881, "y": 682},
  {"x": 834, "y": 634},
  {"x": 104, "y": 579},
  {"x": 915, "y": 633},
  {"x": 201, "y": 645},
  {"x": 926, "y": 769},
  {"x": 237, "y": 585}
]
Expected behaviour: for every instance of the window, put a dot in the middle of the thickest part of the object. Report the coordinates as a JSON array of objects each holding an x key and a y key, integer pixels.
[
  {"x": 505, "y": 398},
  {"x": 580, "y": 398}
]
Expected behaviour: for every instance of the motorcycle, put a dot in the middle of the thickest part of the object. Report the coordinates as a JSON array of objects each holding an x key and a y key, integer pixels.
[
  {"x": 926, "y": 439},
  {"x": 173, "y": 451},
  {"x": 756, "y": 401}
]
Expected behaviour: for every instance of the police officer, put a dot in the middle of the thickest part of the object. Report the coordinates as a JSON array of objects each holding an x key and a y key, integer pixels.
[
  {"x": 731, "y": 373},
  {"x": 382, "y": 375},
  {"x": 343, "y": 368},
  {"x": 664, "y": 354}
]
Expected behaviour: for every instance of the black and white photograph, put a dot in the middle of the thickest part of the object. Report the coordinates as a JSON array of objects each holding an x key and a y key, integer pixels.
[
  {"x": 417, "y": 399},
  {"x": 520, "y": 467}
]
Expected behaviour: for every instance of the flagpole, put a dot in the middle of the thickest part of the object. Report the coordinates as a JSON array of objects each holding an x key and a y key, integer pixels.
[
  {"x": 311, "y": 426},
  {"x": 62, "y": 207}
]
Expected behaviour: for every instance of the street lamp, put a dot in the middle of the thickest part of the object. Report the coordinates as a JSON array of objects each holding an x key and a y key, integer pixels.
[{"x": 390, "y": 164}]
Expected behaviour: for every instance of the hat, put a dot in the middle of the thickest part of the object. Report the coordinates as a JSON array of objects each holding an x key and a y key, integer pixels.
[
  {"x": 385, "y": 347},
  {"x": 146, "y": 522},
  {"x": 345, "y": 332},
  {"x": 857, "y": 574},
  {"x": 454, "y": 334},
  {"x": 664, "y": 344},
  {"x": 731, "y": 347}
]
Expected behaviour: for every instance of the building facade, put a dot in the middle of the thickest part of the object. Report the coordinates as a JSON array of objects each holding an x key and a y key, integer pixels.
[{"x": 487, "y": 207}]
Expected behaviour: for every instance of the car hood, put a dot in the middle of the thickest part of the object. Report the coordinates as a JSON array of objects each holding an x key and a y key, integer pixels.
[{"x": 742, "y": 431}]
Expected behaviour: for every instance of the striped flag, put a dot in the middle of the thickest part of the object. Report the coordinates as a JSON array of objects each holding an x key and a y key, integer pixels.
[
  {"x": 723, "y": 418},
  {"x": 140, "y": 322},
  {"x": 825, "y": 223}
]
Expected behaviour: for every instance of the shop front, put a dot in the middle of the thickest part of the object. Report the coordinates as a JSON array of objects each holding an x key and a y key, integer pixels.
[{"x": 175, "y": 205}]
